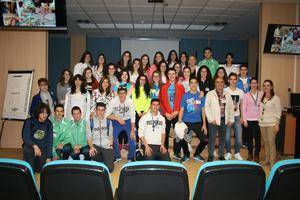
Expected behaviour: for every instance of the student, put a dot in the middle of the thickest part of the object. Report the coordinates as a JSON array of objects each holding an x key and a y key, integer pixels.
[
  {"x": 221, "y": 73},
  {"x": 205, "y": 79},
  {"x": 146, "y": 65},
  {"x": 103, "y": 94},
  {"x": 229, "y": 66},
  {"x": 251, "y": 107},
  {"x": 185, "y": 82},
  {"x": 100, "y": 67},
  {"x": 193, "y": 115},
  {"x": 125, "y": 61},
  {"x": 183, "y": 60},
  {"x": 270, "y": 114},
  {"x": 78, "y": 97},
  {"x": 219, "y": 111},
  {"x": 141, "y": 98},
  {"x": 152, "y": 133},
  {"x": 162, "y": 68},
  {"x": 90, "y": 82},
  {"x": 85, "y": 61},
  {"x": 237, "y": 96},
  {"x": 100, "y": 138},
  {"x": 45, "y": 96},
  {"x": 64, "y": 86},
  {"x": 193, "y": 65},
  {"x": 37, "y": 137},
  {"x": 60, "y": 131},
  {"x": 208, "y": 61},
  {"x": 122, "y": 113},
  {"x": 124, "y": 80},
  {"x": 158, "y": 57},
  {"x": 155, "y": 85},
  {"x": 177, "y": 68},
  {"x": 135, "y": 70},
  {"x": 244, "y": 79},
  {"x": 77, "y": 149},
  {"x": 170, "y": 96},
  {"x": 172, "y": 58},
  {"x": 112, "y": 75}
]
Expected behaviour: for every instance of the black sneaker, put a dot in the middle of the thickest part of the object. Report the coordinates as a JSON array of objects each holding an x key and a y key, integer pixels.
[
  {"x": 176, "y": 156},
  {"x": 184, "y": 159},
  {"x": 221, "y": 158},
  {"x": 210, "y": 159},
  {"x": 199, "y": 158}
]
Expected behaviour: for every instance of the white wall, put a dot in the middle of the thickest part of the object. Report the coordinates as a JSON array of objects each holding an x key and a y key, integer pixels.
[{"x": 138, "y": 47}]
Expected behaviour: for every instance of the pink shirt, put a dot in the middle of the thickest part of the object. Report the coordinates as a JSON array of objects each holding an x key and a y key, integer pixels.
[
  {"x": 153, "y": 68},
  {"x": 251, "y": 106}
]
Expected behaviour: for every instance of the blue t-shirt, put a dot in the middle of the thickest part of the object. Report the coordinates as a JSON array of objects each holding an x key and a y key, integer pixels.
[
  {"x": 192, "y": 105},
  {"x": 171, "y": 94},
  {"x": 127, "y": 85}
]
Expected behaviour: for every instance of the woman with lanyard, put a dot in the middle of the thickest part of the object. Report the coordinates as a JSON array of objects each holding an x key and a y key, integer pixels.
[
  {"x": 251, "y": 106},
  {"x": 270, "y": 114}
]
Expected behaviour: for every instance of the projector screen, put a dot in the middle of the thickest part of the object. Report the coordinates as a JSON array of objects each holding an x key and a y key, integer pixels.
[{"x": 138, "y": 47}]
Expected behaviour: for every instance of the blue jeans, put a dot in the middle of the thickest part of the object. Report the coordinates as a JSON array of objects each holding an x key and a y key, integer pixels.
[
  {"x": 237, "y": 129},
  {"x": 213, "y": 130},
  {"x": 118, "y": 128}
]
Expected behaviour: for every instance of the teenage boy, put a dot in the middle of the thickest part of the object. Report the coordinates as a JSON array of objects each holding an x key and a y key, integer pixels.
[
  {"x": 60, "y": 131},
  {"x": 152, "y": 133},
  {"x": 100, "y": 138},
  {"x": 237, "y": 98},
  {"x": 193, "y": 115},
  {"x": 37, "y": 136},
  {"x": 219, "y": 112},
  {"x": 45, "y": 96},
  {"x": 170, "y": 96},
  {"x": 77, "y": 149},
  {"x": 122, "y": 113},
  {"x": 208, "y": 61}
]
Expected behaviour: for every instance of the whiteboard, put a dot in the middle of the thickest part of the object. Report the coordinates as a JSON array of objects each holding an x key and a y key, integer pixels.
[
  {"x": 17, "y": 95},
  {"x": 138, "y": 47}
]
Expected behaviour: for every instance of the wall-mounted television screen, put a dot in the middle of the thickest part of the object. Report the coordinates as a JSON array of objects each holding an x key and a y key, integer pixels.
[
  {"x": 283, "y": 39},
  {"x": 40, "y": 14}
]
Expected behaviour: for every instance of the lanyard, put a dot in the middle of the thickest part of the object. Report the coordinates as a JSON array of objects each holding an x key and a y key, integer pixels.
[{"x": 254, "y": 100}]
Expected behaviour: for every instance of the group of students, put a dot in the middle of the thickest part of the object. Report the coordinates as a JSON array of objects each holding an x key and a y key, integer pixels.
[{"x": 135, "y": 104}]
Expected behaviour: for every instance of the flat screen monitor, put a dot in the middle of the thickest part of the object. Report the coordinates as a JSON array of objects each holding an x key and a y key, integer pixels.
[{"x": 33, "y": 14}]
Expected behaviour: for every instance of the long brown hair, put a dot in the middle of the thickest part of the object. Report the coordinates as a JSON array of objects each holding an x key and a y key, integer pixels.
[
  {"x": 272, "y": 90},
  {"x": 84, "y": 72},
  {"x": 152, "y": 82},
  {"x": 100, "y": 85},
  {"x": 62, "y": 79}
]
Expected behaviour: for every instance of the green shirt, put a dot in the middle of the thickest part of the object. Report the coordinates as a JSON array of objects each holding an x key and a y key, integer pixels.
[
  {"x": 78, "y": 132},
  {"x": 60, "y": 133},
  {"x": 212, "y": 65}
]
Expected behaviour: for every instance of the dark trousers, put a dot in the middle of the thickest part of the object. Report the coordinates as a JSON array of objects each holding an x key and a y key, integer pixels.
[
  {"x": 137, "y": 119},
  {"x": 244, "y": 136},
  {"x": 106, "y": 156},
  {"x": 36, "y": 162},
  {"x": 196, "y": 128},
  {"x": 68, "y": 151},
  {"x": 253, "y": 131},
  {"x": 156, "y": 154},
  {"x": 177, "y": 145},
  {"x": 221, "y": 130}
]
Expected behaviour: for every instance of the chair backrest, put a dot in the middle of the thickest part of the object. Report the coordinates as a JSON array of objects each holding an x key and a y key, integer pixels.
[
  {"x": 234, "y": 180},
  {"x": 153, "y": 180},
  {"x": 284, "y": 181},
  {"x": 17, "y": 180},
  {"x": 75, "y": 179}
]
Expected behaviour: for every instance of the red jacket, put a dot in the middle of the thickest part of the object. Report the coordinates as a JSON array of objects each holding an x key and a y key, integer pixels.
[{"x": 164, "y": 97}]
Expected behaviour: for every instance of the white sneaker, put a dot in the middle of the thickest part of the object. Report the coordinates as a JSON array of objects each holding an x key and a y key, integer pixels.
[
  {"x": 227, "y": 156},
  {"x": 81, "y": 157},
  {"x": 190, "y": 147},
  {"x": 238, "y": 156},
  {"x": 70, "y": 158}
]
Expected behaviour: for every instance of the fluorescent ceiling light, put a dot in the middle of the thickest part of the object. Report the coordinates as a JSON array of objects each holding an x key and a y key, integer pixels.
[
  {"x": 179, "y": 26},
  {"x": 160, "y": 26},
  {"x": 197, "y": 27},
  {"x": 87, "y": 26},
  {"x": 142, "y": 26},
  {"x": 124, "y": 26},
  {"x": 214, "y": 28},
  {"x": 106, "y": 26}
]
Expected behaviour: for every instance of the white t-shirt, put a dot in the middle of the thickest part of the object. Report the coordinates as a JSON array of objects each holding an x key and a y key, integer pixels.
[
  {"x": 133, "y": 77},
  {"x": 83, "y": 101},
  {"x": 232, "y": 69},
  {"x": 152, "y": 127},
  {"x": 237, "y": 96},
  {"x": 79, "y": 68}
]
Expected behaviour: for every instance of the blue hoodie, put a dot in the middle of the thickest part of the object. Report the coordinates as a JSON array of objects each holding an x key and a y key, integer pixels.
[
  {"x": 36, "y": 100},
  {"x": 240, "y": 85},
  {"x": 40, "y": 134}
]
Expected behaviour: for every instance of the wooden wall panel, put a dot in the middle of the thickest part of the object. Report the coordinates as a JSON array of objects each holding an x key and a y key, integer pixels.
[
  {"x": 279, "y": 68},
  {"x": 78, "y": 46},
  {"x": 21, "y": 50}
]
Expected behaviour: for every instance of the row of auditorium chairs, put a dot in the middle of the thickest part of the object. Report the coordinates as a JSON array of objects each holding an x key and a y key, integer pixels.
[{"x": 148, "y": 180}]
